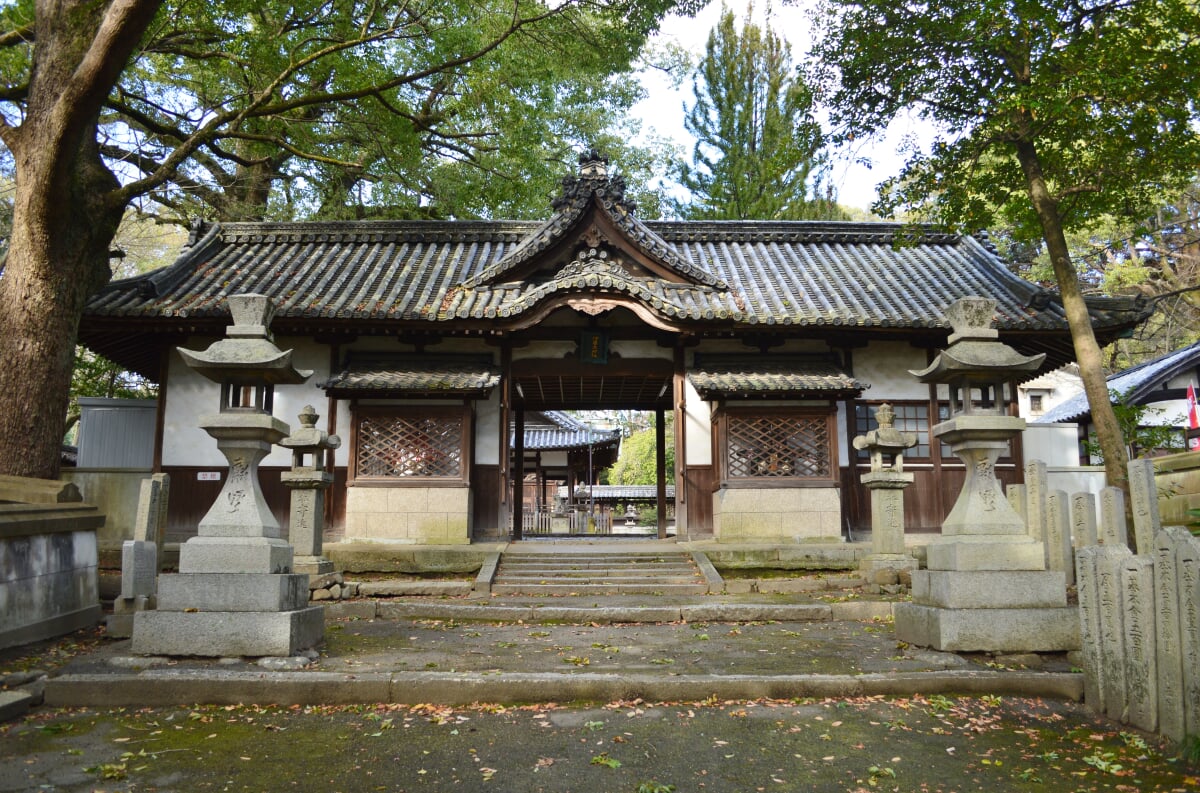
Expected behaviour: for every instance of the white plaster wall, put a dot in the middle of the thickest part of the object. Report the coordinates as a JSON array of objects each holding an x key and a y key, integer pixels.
[
  {"x": 1168, "y": 413},
  {"x": 190, "y": 396},
  {"x": 698, "y": 426},
  {"x": 629, "y": 348},
  {"x": 545, "y": 349},
  {"x": 1053, "y": 444},
  {"x": 843, "y": 437},
  {"x": 885, "y": 366}
]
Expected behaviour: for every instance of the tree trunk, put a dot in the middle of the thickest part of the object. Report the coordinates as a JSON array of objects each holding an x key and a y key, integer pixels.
[
  {"x": 1087, "y": 349},
  {"x": 64, "y": 219}
]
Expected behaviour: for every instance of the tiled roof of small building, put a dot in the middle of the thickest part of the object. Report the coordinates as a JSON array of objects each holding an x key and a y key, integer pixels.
[
  {"x": 1137, "y": 382},
  {"x": 801, "y": 273},
  {"x": 622, "y": 492},
  {"x": 382, "y": 375},
  {"x": 754, "y": 376},
  {"x": 558, "y": 431}
]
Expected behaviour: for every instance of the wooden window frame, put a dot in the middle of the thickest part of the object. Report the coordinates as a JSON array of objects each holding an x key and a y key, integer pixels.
[
  {"x": 462, "y": 412},
  {"x": 721, "y": 438}
]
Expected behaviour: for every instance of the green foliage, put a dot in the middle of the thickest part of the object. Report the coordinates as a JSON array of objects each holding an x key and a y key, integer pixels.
[
  {"x": 243, "y": 110},
  {"x": 758, "y": 152},
  {"x": 1051, "y": 117},
  {"x": 636, "y": 463},
  {"x": 1105, "y": 91},
  {"x": 1140, "y": 437},
  {"x": 654, "y": 787}
]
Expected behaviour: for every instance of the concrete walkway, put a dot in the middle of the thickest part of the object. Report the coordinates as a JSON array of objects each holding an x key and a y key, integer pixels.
[{"x": 519, "y": 650}]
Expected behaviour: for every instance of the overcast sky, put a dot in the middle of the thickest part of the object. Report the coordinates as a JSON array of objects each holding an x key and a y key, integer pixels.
[{"x": 663, "y": 109}]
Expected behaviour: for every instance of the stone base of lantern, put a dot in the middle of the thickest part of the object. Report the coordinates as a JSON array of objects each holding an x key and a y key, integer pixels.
[
  {"x": 1009, "y": 630},
  {"x": 996, "y": 596},
  {"x": 228, "y": 633}
]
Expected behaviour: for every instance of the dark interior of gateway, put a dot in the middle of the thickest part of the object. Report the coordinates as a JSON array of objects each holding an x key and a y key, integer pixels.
[{"x": 557, "y": 459}]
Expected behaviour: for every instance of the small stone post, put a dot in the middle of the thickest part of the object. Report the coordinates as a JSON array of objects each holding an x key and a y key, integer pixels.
[
  {"x": 308, "y": 481},
  {"x": 886, "y": 481}
]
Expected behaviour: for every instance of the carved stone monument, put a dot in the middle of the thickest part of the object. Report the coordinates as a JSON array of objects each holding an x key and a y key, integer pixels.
[
  {"x": 308, "y": 481},
  {"x": 235, "y": 592},
  {"x": 886, "y": 481},
  {"x": 986, "y": 587}
]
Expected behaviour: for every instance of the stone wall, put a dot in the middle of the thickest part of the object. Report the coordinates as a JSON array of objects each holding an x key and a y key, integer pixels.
[
  {"x": 115, "y": 493},
  {"x": 412, "y": 515},
  {"x": 777, "y": 515},
  {"x": 1178, "y": 479},
  {"x": 48, "y": 570}
]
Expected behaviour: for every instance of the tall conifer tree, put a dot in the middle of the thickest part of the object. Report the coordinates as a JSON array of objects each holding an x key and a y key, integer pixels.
[{"x": 758, "y": 150}]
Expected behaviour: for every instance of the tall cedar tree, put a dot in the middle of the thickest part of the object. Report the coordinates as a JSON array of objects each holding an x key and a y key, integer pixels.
[
  {"x": 62, "y": 62},
  {"x": 1057, "y": 114},
  {"x": 758, "y": 148}
]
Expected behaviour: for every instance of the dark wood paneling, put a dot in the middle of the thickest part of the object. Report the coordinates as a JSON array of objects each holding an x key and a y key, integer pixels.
[
  {"x": 926, "y": 502},
  {"x": 485, "y": 505},
  {"x": 701, "y": 481},
  {"x": 190, "y": 498}
]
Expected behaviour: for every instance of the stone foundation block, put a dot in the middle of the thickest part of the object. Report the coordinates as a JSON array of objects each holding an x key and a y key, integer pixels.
[
  {"x": 228, "y": 633},
  {"x": 1048, "y": 630},
  {"x": 989, "y": 589},
  {"x": 232, "y": 592},
  {"x": 873, "y": 563},
  {"x": 1025, "y": 554},
  {"x": 235, "y": 555}
]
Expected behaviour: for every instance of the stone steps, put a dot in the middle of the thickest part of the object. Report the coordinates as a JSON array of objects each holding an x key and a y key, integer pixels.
[{"x": 642, "y": 573}]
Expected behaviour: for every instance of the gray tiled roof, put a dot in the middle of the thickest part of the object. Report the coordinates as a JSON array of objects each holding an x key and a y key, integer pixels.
[
  {"x": 802, "y": 273},
  {"x": 775, "y": 375},
  {"x": 395, "y": 374},
  {"x": 619, "y": 492},
  {"x": 814, "y": 277},
  {"x": 1137, "y": 381},
  {"x": 559, "y": 431}
]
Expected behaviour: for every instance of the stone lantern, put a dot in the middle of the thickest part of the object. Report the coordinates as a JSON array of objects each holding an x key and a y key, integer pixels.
[
  {"x": 977, "y": 367},
  {"x": 887, "y": 481},
  {"x": 986, "y": 587},
  {"x": 236, "y": 593},
  {"x": 308, "y": 481}
]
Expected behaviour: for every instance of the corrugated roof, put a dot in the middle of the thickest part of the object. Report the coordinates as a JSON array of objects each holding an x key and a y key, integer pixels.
[
  {"x": 1137, "y": 381},
  {"x": 771, "y": 375}
]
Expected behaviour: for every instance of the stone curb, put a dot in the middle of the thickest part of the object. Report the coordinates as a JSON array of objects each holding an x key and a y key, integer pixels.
[
  {"x": 14, "y": 704},
  {"x": 163, "y": 688},
  {"x": 607, "y": 615}
]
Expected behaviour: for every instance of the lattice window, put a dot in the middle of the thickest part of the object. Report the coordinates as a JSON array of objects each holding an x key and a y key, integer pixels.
[
  {"x": 427, "y": 445},
  {"x": 778, "y": 445}
]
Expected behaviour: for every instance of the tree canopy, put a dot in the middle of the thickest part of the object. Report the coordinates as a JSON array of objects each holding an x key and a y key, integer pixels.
[
  {"x": 1052, "y": 117},
  {"x": 759, "y": 150},
  {"x": 215, "y": 105}
]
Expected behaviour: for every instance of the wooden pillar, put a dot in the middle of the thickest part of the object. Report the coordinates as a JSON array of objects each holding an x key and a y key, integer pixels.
[
  {"x": 679, "y": 406},
  {"x": 505, "y": 411},
  {"x": 518, "y": 474},
  {"x": 660, "y": 465}
]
